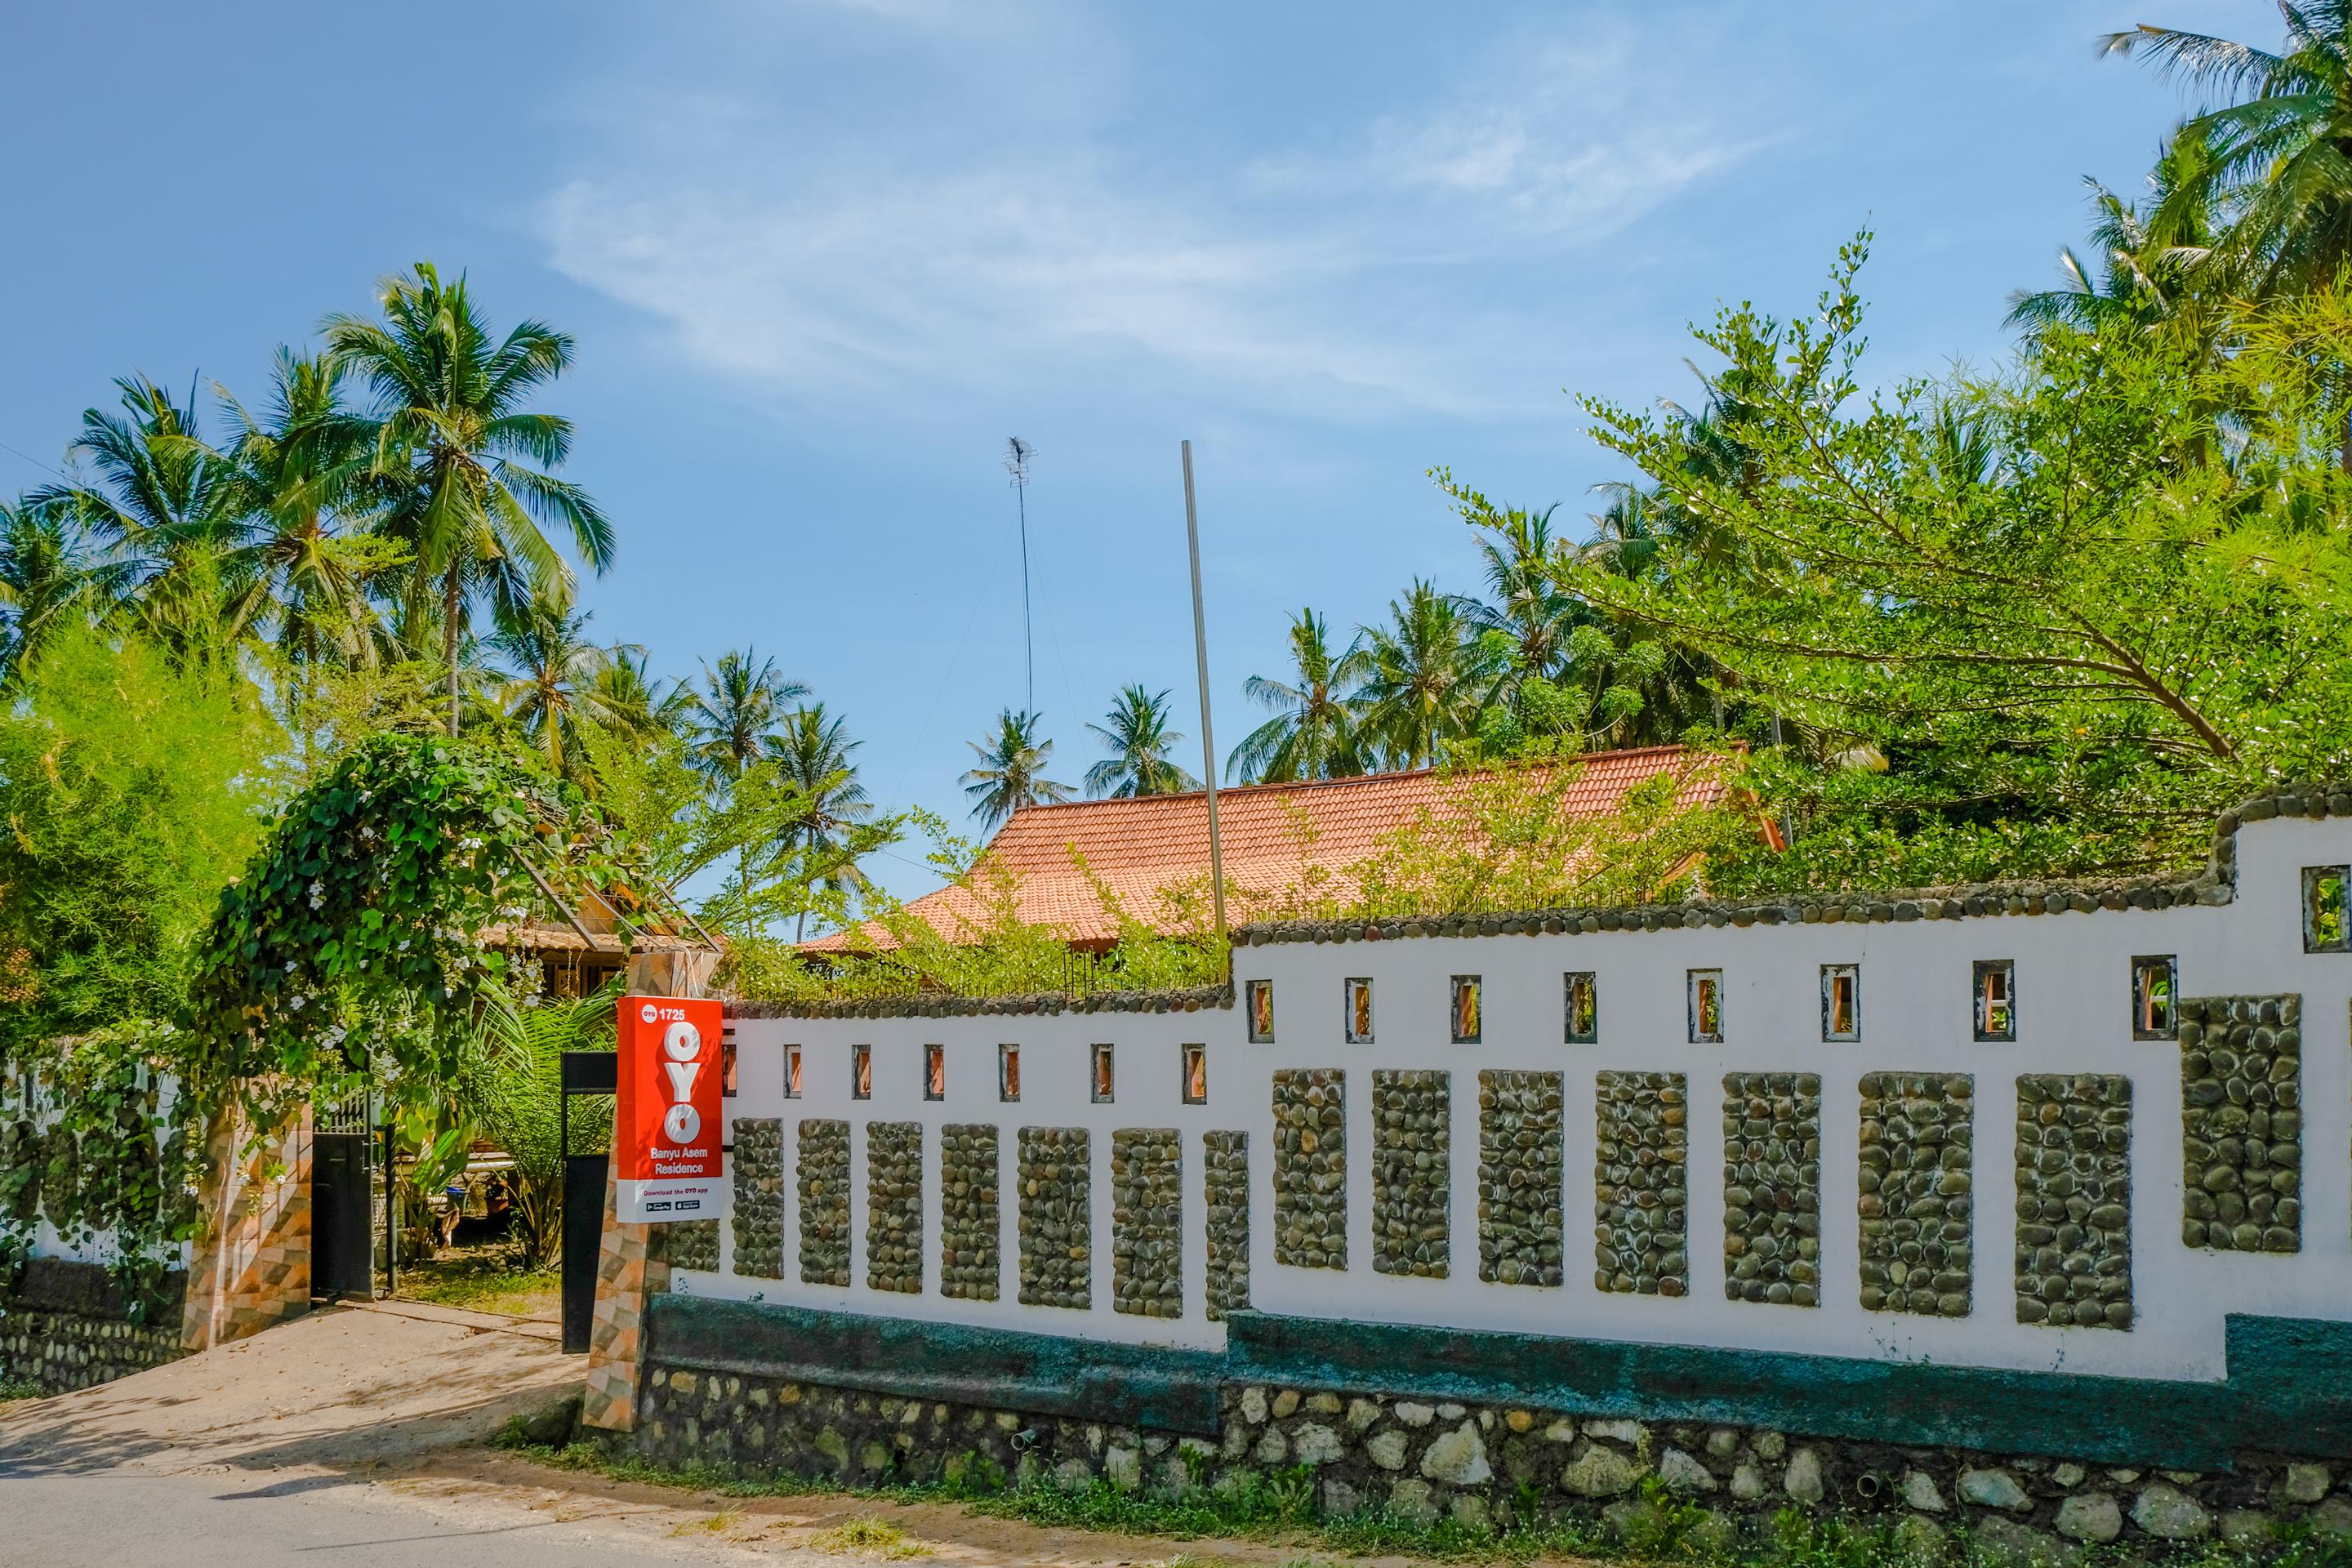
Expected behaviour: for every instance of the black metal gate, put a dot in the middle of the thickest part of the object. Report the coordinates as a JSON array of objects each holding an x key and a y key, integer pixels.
[
  {"x": 342, "y": 1251},
  {"x": 590, "y": 1077}
]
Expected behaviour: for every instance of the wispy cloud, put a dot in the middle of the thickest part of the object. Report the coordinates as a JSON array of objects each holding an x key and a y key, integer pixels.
[{"x": 1343, "y": 281}]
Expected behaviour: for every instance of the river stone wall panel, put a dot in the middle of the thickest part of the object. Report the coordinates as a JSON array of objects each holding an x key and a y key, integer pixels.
[
  {"x": 1916, "y": 1211},
  {"x": 1640, "y": 1180},
  {"x": 893, "y": 1206},
  {"x": 1310, "y": 1167},
  {"x": 694, "y": 1244},
  {"x": 2242, "y": 1123},
  {"x": 2074, "y": 1200},
  {"x": 1521, "y": 1223},
  {"x": 1147, "y": 1222},
  {"x": 1226, "y": 1157},
  {"x": 970, "y": 1262},
  {"x": 1056, "y": 1217},
  {"x": 758, "y": 1169},
  {"x": 1412, "y": 1162},
  {"x": 1772, "y": 1187},
  {"x": 825, "y": 1202}
]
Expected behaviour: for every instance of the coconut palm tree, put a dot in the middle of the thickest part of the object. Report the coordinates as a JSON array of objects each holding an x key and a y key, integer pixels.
[
  {"x": 293, "y": 474},
  {"x": 2154, "y": 263},
  {"x": 551, "y": 677},
  {"x": 48, "y": 576},
  {"x": 1425, "y": 679},
  {"x": 159, "y": 494},
  {"x": 466, "y": 461},
  {"x": 1139, "y": 742},
  {"x": 812, "y": 754},
  {"x": 1525, "y": 604},
  {"x": 637, "y": 701},
  {"x": 1010, "y": 774},
  {"x": 2280, "y": 164},
  {"x": 1312, "y": 734},
  {"x": 736, "y": 713}
]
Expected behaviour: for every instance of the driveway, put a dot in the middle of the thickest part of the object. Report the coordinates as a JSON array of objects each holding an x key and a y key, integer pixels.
[{"x": 353, "y": 1438}]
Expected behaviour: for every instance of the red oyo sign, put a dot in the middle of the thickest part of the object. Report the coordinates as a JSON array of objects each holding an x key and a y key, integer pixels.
[{"x": 666, "y": 1156}]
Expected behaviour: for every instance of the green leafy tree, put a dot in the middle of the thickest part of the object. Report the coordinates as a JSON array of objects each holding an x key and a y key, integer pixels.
[
  {"x": 1312, "y": 734},
  {"x": 49, "y": 582},
  {"x": 555, "y": 679},
  {"x": 513, "y": 1090},
  {"x": 1137, "y": 733},
  {"x": 736, "y": 713},
  {"x": 1012, "y": 770},
  {"x": 812, "y": 756},
  {"x": 466, "y": 463}
]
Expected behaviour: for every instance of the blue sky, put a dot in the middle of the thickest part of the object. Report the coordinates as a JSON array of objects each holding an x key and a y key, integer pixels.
[{"x": 822, "y": 259}]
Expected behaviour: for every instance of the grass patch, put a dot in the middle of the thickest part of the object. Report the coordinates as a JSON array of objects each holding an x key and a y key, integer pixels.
[
  {"x": 1280, "y": 1509},
  {"x": 866, "y": 1536},
  {"x": 16, "y": 1388},
  {"x": 716, "y": 1524},
  {"x": 482, "y": 1279}
]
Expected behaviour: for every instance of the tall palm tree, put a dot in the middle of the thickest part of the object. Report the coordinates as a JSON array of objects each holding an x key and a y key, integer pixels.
[
  {"x": 469, "y": 464},
  {"x": 551, "y": 677},
  {"x": 635, "y": 701},
  {"x": 49, "y": 578},
  {"x": 159, "y": 495},
  {"x": 1425, "y": 679},
  {"x": 736, "y": 713},
  {"x": 2155, "y": 267},
  {"x": 1525, "y": 604},
  {"x": 293, "y": 474},
  {"x": 2281, "y": 153},
  {"x": 1139, "y": 742},
  {"x": 1010, "y": 774},
  {"x": 811, "y": 755},
  {"x": 1312, "y": 734}
]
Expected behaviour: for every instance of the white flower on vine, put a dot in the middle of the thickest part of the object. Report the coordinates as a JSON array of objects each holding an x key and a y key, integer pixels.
[{"x": 318, "y": 894}]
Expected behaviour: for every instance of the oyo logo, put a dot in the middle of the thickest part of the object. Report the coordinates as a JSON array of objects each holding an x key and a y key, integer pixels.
[
  {"x": 682, "y": 1043},
  {"x": 649, "y": 1013}
]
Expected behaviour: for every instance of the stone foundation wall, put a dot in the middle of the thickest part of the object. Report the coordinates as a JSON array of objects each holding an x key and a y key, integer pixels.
[
  {"x": 67, "y": 1327},
  {"x": 1480, "y": 1464}
]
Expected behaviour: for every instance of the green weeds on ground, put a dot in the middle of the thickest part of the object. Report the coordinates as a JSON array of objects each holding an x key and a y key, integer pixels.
[
  {"x": 482, "y": 1279},
  {"x": 14, "y": 1388},
  {"x": 1279, "y": 1507}
]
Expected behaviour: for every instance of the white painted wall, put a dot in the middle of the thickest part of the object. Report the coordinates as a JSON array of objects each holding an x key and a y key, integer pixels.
[{"x": 2073, "y": 1012}]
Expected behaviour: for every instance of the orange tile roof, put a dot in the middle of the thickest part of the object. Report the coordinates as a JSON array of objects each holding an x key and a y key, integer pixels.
[{"x": 1139, "y": 846}]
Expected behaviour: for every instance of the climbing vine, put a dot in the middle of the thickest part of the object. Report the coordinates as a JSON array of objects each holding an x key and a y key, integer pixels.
[
  {"x": 355, "y": 949},
  {"x": 91, "y": 1141}
]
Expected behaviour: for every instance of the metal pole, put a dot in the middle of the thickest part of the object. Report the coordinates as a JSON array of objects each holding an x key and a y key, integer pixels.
[
  {"x": 1208, "y": 740},
  {"x": 391, "y": 1214}
]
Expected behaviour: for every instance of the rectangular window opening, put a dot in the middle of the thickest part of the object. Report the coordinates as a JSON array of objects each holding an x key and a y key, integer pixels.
[
  {"x": 1582, "y": 1001},
  {"x": 1996, "y": 999},
  {"x": 1359, "y": 1011},
  {"x": 1841, "y": 1002},
  {"x": 727, "y": 1087},
  {"x": 1261, "y": 1012},
  {"x": 1468, "y": 1009},
  {"x": 1102, "y": 1075},
  {"x": 2154, "y": 983},
  {"x": 1008, "y": 1073},
  {"x": 1707, "y": 1006},
  {"x": 1196, "y": 1075},
  {"x": 935, "y": 1072},
  {"x": 792, "y": 1072},
  {"x": 861, "y": 1072},
  {"x": 2324, "y": 929}
]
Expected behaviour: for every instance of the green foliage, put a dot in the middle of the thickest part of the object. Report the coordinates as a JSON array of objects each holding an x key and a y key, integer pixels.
[
  {"x": 514, "y": 1089},
  {"x": 131, "y": 787},
  {"x": 355, "y": 945}
]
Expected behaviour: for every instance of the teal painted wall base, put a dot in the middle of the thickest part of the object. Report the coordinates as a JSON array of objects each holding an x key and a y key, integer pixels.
[{"x": 2289, "y": 1388}]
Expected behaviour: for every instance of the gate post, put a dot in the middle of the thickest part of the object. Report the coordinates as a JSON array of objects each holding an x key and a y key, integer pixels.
[
  {"x": 633, "y": 1262},
  {"x": 250, "y": 1265}
]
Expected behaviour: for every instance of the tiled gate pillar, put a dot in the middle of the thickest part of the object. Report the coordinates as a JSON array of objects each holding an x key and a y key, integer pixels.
[
  {"x": 633, "y": 1263},
  {"x": 250, "y": 1265}
]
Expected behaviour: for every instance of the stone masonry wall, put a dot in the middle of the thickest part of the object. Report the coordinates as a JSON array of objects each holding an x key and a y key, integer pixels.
[
  {"x": 694, "y": 1244},
  {"x": 1057, "y": 1224},
  {"x": 1521, "y": 1167},
  {"x": 1413, "y": 1118},
  {"x": 1310, "y": 1167},
  {"x": 1640, "y": 1177},
  {"x": 63, "y": 1351},
  {"x": 1918, "y": 1136},
  {"x": 1226, "y": 1190},
  {"x": 2242, "y": 1123},
  {"x": 1720, "y": 1488},
  {"x": 825, "y": 1202},
  {"x": 2074, "y": 1200},
  {"x": 970, "y": 1265},
  {"x": 759, "y": 1217},
  {"x": 1147, "y": 1222},
  {"x": 1772, "y": 1187},
  {"x": 893, "y": 1206}
]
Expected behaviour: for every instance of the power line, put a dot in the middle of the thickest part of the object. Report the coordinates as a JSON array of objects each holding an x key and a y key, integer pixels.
[{"x": 1017, "y": 454}]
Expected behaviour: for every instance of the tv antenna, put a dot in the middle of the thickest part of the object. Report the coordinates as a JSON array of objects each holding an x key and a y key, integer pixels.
[{"x": 1017, "y": 454}]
